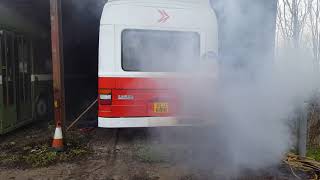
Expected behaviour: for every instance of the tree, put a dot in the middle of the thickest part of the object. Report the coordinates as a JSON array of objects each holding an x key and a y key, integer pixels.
[
  {"x": 292, "y": 18},
  {"x": 314, "y": 16}
]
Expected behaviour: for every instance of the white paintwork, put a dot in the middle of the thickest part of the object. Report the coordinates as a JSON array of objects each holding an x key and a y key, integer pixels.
[
  {"x": 194, "y": 2},
  {"x": 136, "y": 122},
  {"x": 119, "y": 15},
  {"x": 185, "y": 15},
  {"x": 159, "y": 75},
  {"x": 41, "y": 77}
]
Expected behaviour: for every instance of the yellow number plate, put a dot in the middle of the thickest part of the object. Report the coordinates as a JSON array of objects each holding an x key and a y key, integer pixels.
[{"x": 161, "y": 107}]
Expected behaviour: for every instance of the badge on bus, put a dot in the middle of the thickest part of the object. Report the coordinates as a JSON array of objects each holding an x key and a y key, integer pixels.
[{"x": 125, "y": 97}]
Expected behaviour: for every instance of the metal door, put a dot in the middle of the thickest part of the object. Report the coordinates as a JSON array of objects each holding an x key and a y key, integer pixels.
[
  {"x": 23, "y": 69},
  {"x": 1, "y": 89},
  {"x": 8, "y": 102}
]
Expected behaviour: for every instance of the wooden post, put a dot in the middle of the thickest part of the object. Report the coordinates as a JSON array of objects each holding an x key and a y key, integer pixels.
[{"x": 57, "y": 62}]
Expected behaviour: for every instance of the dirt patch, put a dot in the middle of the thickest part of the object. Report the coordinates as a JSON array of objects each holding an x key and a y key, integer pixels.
[
  {"x": 34, "y": 149},
  {"x": 132, "y": 154}
]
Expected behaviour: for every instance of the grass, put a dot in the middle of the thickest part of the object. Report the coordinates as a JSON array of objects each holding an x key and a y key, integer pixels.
[
  {"x": 152, "y": 154},
  {"x": 40, "y": 154},
  {"x": 161, "y": 153},
  {"x": 314, "y": 153}
]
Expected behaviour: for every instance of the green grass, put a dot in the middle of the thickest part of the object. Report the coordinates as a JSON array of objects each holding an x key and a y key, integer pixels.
[
  {"x": 161, "y": 153},
  {"x": 40, "y": 154},
  {"x": 152, "y": 154},
  {"x": 314, "y": 153}
]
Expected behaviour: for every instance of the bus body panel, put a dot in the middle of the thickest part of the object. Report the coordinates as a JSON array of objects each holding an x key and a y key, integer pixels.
[
  {"x": 138, "y": 122},
  {"x": 133, "y": 98}
]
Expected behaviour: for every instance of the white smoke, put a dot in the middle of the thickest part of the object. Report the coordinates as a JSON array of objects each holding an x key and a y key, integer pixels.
[{"x": 252, "y": 103}]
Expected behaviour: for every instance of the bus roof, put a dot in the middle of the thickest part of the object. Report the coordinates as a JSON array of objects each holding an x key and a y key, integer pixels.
[
  {"x": 171, "y": 2},
  {"x": 164, "y": 13}
]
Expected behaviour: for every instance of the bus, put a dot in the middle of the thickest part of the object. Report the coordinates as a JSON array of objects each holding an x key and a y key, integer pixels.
[
  {"x": 142, "y": 46},
  {"x": 25, "y": 74}
]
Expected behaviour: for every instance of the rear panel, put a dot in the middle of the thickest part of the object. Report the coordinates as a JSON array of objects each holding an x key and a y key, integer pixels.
[
  {"x": 140, "y": 85},
  {"x": 141, "y": 56},
  {"x": 138, "y": 97}
]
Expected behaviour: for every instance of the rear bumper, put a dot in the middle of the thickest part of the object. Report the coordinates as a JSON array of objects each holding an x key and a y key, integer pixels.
[{"x": 137, "y": 122}]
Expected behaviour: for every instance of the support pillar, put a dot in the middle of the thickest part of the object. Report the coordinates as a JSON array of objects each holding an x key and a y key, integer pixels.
[{"x": 57, "y": 62}]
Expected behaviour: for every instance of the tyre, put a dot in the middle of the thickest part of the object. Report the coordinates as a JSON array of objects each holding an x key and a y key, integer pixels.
[{"x": 42, "y": 108}]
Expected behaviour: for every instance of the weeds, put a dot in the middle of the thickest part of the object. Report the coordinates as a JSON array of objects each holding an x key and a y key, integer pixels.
[
  {"x": 314, "y": 153},
  {"x": 40, "y": 154},
  {"x": 151, "y": 154}
]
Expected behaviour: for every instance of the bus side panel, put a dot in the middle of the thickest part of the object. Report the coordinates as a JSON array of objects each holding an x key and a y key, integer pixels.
[{"x": 106, "y": 50}]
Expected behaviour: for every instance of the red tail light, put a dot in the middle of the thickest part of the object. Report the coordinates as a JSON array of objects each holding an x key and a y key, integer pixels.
[{"x": 105, "y": 96}]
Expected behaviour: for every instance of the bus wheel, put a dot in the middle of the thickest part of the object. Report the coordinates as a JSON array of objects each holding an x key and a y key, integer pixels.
[{"x": 42, "y": 108}]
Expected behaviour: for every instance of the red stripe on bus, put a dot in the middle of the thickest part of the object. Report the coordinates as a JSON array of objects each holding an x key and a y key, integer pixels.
[{"x": 134, "y": 83}]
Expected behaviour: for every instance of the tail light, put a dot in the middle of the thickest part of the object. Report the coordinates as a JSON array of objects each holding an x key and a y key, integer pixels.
[{"x": 105, "y": 96}]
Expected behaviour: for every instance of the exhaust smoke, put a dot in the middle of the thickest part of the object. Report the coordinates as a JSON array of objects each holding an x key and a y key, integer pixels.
[
  {"x": 248, "y": 97},
  {"x": 251, "y": 105}
]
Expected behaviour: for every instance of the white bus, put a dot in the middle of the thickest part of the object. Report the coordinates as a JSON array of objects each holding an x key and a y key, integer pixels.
[{"x": 142, "y": 44}]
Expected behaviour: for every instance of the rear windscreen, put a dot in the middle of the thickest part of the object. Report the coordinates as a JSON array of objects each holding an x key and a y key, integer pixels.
[{"x": 159, "y": 51}]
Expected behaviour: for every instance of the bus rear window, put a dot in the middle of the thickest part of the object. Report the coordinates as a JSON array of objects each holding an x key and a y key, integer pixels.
[{"x": 159, "y": 51}]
